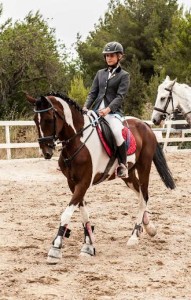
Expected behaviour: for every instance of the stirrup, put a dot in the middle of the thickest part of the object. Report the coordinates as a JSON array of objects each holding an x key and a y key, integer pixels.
[{"x": 121, "y": 171}]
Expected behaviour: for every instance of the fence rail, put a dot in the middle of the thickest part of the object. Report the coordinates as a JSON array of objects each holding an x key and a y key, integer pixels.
[{"x": 166, "y": 135}]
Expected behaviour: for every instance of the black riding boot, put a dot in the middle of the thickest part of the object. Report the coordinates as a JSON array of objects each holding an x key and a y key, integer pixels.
[{"x": 122, "y": 170}]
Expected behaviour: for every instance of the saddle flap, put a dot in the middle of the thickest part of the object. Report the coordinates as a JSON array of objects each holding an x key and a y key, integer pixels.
[
  {"x": 108, "y": 140},
  {"x": 108, "y": 135}
]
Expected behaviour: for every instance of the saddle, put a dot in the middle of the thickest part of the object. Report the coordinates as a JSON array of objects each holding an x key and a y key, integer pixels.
[
  {"x": 108, "y": 140},
  {"x": 106, "y": 136}
]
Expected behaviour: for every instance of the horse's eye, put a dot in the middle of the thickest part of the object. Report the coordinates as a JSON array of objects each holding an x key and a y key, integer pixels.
[{"x": 163, "y": 98}]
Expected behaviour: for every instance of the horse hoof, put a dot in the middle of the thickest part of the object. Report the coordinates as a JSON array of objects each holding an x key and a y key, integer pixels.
[
  {"x": 87, "y": 250},
  {"x": 150, "y": 229},
  {"x": 85, "y": 255},
  {"x": 54, "y": 255},
  {"x": 132, "y": 242}
]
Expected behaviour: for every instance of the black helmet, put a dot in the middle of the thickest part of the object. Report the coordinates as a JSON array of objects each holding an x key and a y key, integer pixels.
[{"x": 113, "y": 47}]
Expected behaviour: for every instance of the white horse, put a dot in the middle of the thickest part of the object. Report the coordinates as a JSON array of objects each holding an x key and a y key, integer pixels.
[{"x": 171, "y": 96}]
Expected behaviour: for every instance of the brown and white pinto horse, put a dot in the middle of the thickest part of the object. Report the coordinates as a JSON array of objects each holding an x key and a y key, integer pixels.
[{"x": 84, "y": 161}]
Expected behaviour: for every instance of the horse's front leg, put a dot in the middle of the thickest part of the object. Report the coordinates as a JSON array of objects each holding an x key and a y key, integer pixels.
[
  {"x": 88, "y": 248},
  {"x": 55, "y": 254}
]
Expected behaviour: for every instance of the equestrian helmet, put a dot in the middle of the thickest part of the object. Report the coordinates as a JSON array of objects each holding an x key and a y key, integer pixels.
[{"x": 113, "y": 47}]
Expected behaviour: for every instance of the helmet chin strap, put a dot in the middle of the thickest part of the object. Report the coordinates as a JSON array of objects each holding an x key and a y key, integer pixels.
[{"x": 111, "y": 67}]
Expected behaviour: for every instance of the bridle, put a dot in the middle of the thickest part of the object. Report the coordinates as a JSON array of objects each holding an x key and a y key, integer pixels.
[
  {"x": 65, "y": 143},
  {"x": 169, "y": 99},
  {"x": 45, "y": 140},
  {"x": 164, "y": 110}
]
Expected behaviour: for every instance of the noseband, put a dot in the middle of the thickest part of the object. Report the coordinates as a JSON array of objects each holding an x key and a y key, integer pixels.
[
  {"x": 164, "y": 111},
  {"x": 45, "y": 140}
]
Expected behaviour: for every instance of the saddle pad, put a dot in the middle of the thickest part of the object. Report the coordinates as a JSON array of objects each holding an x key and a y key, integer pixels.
[
  {"x": 128, "y": 137},
  {"x": 130, "y": 140}
]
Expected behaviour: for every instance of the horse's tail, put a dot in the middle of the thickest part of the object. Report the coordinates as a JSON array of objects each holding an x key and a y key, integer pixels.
[{"x": 162, "y": 168}]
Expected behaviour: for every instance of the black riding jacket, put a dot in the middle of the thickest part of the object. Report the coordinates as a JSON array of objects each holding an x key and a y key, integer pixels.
[{"x": 111, "y": 90}]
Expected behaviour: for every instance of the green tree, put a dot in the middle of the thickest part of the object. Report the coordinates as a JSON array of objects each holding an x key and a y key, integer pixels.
[
  {"x": 29, "y": 61},
  {"x": 78, "y": 90},
  {"x": 173, "y": 54},
  {"x": 138, "y": 26},
  {"x": 134, "y": 102}
]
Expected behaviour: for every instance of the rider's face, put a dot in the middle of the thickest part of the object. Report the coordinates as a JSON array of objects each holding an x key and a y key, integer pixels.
[{"x": 112, "y": 58}]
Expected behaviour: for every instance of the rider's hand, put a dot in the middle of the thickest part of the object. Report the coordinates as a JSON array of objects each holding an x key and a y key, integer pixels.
[
  {"x": 104, "y": 111},
  {"x": 85, "y": 108}
]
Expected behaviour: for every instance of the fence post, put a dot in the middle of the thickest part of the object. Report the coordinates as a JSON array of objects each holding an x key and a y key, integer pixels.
[{"x": 8, "y": 141}]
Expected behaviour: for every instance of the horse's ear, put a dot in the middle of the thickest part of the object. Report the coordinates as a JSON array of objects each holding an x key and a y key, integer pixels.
[
  {"x": 167, "y": 78},
  {"x": 45, "y": 101},
  {"x": 173, "y": 82},
  {"x": 43, "y": 98},
  {"x": 30, "y": 99}
]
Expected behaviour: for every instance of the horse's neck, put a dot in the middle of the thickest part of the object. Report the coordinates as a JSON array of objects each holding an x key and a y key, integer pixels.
[
  {"x": 182, "y": 96},
  {"x": 73, "y": 119}
]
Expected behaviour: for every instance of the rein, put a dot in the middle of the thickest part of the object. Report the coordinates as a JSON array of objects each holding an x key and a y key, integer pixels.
[
  {"x": 69, "y": 159},
  {"x": 44, "y": 140},
  {"x": 66, "y": 142}
]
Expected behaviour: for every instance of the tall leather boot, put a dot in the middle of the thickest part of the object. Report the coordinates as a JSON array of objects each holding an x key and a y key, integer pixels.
[{"x": 122, "y": 170}]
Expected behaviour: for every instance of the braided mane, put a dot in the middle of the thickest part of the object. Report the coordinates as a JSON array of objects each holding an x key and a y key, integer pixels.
[{"x": 71, "y": 102}]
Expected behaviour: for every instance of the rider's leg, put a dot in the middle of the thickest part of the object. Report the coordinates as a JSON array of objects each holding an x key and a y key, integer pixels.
[
  {"x": 122, "y": 171},
  {"x": 117, "y": 127}
]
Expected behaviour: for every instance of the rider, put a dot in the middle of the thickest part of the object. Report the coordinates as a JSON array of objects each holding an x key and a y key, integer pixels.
[{"x": 106, "y": 96}]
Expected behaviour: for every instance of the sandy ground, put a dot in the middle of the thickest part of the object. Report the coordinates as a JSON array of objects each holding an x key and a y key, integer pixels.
[{"x": 33, "y": 194}]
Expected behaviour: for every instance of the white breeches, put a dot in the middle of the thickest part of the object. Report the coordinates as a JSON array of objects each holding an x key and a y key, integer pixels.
[{"x": 115, "y": 122}]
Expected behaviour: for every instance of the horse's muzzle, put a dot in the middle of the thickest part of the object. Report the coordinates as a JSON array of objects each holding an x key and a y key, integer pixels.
[{"x": 47, "y": 155}]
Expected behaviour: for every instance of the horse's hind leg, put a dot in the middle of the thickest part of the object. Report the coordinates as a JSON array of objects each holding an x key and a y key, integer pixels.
[
  {"x": 140, "y": 187},
  {"x": 88, "y": 248},
  {"x": 143, "y": 173}
]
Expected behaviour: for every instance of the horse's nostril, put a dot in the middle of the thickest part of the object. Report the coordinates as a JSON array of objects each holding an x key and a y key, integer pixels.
[{"x": 47, "y": 156}]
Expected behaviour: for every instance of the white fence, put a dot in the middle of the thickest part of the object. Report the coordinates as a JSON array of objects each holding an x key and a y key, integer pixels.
[
  {"x": 8, "y": 145},
  {"x": 165, "y": 135}
]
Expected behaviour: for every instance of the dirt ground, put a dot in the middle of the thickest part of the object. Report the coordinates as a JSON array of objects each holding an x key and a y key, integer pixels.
[{"x": 33, "y": 194}]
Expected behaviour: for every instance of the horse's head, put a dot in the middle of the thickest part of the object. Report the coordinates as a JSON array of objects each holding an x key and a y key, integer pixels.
[
  {"x": 165, "y": 104},
  {"x": 45, "y": 121}
]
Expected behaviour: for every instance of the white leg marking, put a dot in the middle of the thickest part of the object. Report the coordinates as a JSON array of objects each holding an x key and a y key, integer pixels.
[
  {"x": 84, "y": 214},
  {"x": 88, "y": 249},
  {"x": 55, "y": 254},
  {"x": 134, "y": 239},
  {"x": 67, "y": 214}
]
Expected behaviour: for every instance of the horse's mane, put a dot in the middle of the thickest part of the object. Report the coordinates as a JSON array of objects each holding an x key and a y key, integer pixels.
[{"x": 68, "y": 100}]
